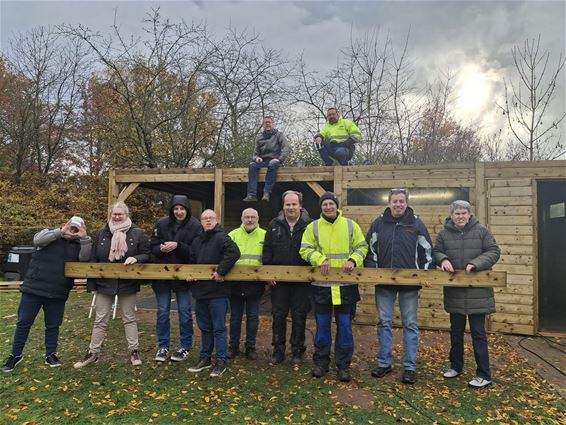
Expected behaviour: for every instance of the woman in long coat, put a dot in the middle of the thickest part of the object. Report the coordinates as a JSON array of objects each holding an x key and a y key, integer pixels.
[{"x": 465, "y": 244}]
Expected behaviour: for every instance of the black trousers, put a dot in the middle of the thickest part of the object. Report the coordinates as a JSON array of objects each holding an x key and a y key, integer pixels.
[{"x": 293, "y": 297}]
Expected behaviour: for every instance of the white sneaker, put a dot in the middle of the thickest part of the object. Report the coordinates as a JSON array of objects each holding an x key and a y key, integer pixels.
[
  {"x": 135, "y": 358},
  {"x": 451, "y": 373},
  {"x": 478, "y": 382}
]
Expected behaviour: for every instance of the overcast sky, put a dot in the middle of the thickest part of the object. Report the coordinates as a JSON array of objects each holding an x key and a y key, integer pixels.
[{"x": 470, "y": 38}]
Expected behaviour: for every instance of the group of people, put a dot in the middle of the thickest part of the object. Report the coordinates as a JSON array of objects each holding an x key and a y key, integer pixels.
[
  {"x": 335, "y": 143},
  {"x": 396, "y": 239}
]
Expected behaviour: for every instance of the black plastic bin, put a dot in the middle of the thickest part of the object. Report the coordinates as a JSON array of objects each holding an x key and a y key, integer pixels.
[{"x": 18, "y": 261}]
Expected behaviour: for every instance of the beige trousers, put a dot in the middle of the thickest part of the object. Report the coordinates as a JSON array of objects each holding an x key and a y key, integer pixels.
[{"x": 127, "y": 303}]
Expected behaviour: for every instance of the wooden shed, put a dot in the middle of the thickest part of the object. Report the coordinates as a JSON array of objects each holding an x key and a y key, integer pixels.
[{"x": 523, "y": 203}]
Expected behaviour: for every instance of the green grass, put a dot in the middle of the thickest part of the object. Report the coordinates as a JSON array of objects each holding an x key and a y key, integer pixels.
[{"x": 112, "y": 391}]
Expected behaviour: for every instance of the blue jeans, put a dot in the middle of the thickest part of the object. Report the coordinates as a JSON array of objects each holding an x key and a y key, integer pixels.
[
  {"x": 184, "y": 308},
  {"x": 329, "y": 151},
  {"x": 344, "y": 344},
  {"x": 53, "y": 310},
  {"x": 271, "y": 176},
  {"x": 211, "y": 320},
  {"x": 479, "y": 342},
  {"x": 237, "y": 304},
  {"x": 408, "y": 304}
]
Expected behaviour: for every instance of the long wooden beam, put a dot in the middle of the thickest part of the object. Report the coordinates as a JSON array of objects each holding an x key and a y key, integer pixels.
[{"x": 285, "y": 274}]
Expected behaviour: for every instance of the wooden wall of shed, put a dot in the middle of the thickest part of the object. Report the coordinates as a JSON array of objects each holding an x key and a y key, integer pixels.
[{"x": 503, "y": 195}]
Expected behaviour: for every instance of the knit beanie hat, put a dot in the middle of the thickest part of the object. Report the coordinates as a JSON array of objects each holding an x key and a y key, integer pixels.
[{"x": 329, "y": 195}]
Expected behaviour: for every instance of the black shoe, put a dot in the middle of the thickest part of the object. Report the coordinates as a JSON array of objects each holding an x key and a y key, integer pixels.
[
  {"x": 11, "y": 363},
  {"x": 52, "y": 360},
  {"x": 409, "y": 377},
  {"x": 250, "y": 198},
  {"x": 380, "y": 372},
  {"x": 203, "y": 363},
  {"x": 319, "y": 371},
  {"x": 162, "y": 355},
  {"x": 251, "y": 353},
  {"x": 181, "y": 355},
  {"x": 219, "y": 368},
  {"x": 276, "y": 358},
  {"x": 232, "y": 352},
  {"x": 296, "y": 361},
  {"x": 344, "y": 375}
]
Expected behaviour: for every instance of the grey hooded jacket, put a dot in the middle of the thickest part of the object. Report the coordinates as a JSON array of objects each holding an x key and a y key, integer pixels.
[{"x": 474, "y": 244}]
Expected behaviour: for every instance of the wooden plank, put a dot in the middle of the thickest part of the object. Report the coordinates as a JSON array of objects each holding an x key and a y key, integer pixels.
[
  {"x": 526, "y": 164},
  {"x": 127, "y": 191},
  {"x": 282, "y": 177},
  {"x": 384, "y": 183},
  {"x": 503, "y": 210},
  {"x": 517, "y": 259},
  {"x": 509, "y": 182},
  {"x": 219, "y": 195},
  {"x": 512, "y": 328},
  {"x": 523, "y": 309},
  {"x": 165, "y": 178},
  {"x": 511, "y": 230},
  {"x": 515, "y": 279},
  {"x": 516, "y": 319},
  {"x": 557, "y": 171},
  {"x": 285, "y": 274},
  {"x": 519, "y": 220},
  {"x": 514, "y": 299},
  {"x": 514, "y": 268},
  {"x": 316, "y": 188},
  {"x": 511, "y": 191},
  {"x": 113, "y": 190},
  {"x": 515, "y": 240},
  {"x": 510, "y": 201}
]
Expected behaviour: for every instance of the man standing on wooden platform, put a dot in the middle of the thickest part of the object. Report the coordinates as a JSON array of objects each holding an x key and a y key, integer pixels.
[
  {"x": 271, "y": 150},
  {"x": 281, "y": 248},
  {"x": 398, "y": 239},
  {"x": 246, "y": 295},
  {"x": 336, "y": 141},
  {"x": 333, "y": 241}
]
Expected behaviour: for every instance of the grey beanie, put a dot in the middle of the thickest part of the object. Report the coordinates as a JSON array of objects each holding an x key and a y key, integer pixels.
[{"x": 329, "y": 195}]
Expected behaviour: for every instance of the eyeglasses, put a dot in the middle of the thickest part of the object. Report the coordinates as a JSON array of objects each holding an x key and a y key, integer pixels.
[
  {"x": 397, "y": 191},
  {"x": 117, "y": 214}
]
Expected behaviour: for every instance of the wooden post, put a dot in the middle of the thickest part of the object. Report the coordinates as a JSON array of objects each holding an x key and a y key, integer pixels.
[
  {"x": 338, "y": 177},
  {"x": 219, "y": 195},
  {"x": 481, "y": 194},
  {"x": 113, "y": 190}
]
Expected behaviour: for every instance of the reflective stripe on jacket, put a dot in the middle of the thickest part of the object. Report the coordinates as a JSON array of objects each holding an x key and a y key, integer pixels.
[
  {"x": 336, "y": 243},
  {"x": 250, "y": 245},
  {"x": 341, "y": 131}
]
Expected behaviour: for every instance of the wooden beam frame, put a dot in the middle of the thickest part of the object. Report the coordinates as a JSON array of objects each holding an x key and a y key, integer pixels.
[
  {"x": 127, "y": 191},
  {"x": 219, "y": 195},
  {"x": 285, "y": 274},
  {"x": 318, "y": 189}
]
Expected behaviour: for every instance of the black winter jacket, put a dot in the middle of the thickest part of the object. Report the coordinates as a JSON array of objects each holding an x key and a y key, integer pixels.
[
  {"x": 138, "y": 247},
  {"x": 46, "y": 272},
  {"x": 168, "y": 230},
  {"x": 474, "y": 244},
  {"x": 213, "y": 247},
  {"x": 399, "y": 244},
  {"x": 281, "y": 247}
]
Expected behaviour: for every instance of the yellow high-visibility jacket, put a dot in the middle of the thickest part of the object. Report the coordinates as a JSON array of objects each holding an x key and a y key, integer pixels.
[
  {"x": 341, "y": 131},
  {"x": 250, "y": 245},
  {"x": 336, "y": 243}
]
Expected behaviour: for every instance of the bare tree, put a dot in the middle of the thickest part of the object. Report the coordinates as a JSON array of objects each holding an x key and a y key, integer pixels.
[
  {"x": 48, "y": 72},
  {"x": 249, "y": 82},
  {"x": 528, "y": 100},
  {"x": 152, "y": 85}
]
